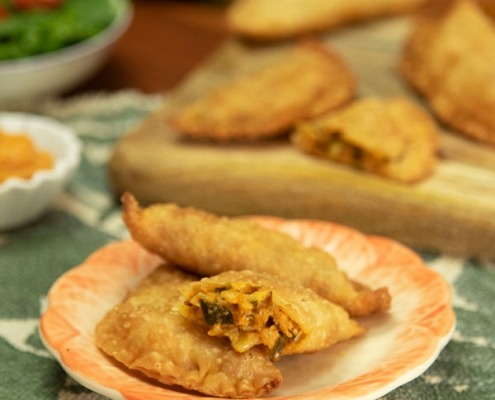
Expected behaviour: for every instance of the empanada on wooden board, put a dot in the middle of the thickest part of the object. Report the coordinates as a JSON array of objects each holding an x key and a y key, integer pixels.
[
  {"x": 275, "y": 20},
  {"x": 306, "y": 82},
  {"x": 393, "y": 137},
  {"x": 453, "y": 210},
  {"x": 450, "y": 59}
]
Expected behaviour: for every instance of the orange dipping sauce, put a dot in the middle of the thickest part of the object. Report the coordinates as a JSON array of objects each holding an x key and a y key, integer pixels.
[{"x": 20, "y": 158}]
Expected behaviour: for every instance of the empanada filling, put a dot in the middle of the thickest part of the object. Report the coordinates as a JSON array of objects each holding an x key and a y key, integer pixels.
[
  {"x": 340, "y": 150},
  {"x": 245, "y": 314}
]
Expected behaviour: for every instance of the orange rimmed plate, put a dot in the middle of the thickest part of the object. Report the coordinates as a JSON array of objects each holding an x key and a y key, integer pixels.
[{"x": 399, "y": 346}]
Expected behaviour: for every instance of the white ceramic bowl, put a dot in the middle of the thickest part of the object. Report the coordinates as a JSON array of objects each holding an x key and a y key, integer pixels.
[
  {"x": 59, "y": 71},
  {"x": 24, "y": 200}
]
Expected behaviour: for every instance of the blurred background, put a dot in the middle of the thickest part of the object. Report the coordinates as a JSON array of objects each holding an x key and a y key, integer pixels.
[{"x": 165, "y": 40}]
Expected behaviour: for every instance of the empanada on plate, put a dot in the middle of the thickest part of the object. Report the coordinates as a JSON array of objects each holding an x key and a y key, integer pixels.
[
  {"x": 207, "y": 244},
  {"x": 449, "y": 58},
  {"x": 256, "y": 309},
  {"x": 145, "y": 334},
  {"x": 309, "y": 81},
  {"x": 394, "y": 138}
]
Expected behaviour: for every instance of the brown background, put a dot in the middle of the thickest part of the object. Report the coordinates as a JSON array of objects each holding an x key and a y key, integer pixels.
[{"x": 165, "y": 41}]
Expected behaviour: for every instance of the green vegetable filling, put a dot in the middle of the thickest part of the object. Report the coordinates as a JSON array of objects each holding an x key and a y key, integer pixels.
[
  {"x": 276, "y": 351},
  {"x": 216, "y": 314}
]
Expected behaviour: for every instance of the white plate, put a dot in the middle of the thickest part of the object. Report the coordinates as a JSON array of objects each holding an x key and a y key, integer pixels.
[{"x": 398, "y": 347}]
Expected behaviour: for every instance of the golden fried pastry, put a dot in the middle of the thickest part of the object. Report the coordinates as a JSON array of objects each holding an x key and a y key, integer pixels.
[
  {"x": 488, "y": 7},
  {"x": 274, "y": 20},
  {"x": 309, "y": 81},
  {"x": 207, "y": 244},
  {"x": 257, "y": 309},
  {"x": 145, "y": 334},
  {"x": 449, "y": 58},
  {"x": 394, "y": 138}
]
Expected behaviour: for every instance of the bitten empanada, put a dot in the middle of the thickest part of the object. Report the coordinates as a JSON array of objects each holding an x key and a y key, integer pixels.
[
  {"x": 449, "y": 58},
  {"x": 310, "y": 80},
  {"x": 394, "y": 138},
  {"x": 265, "y": 20},
  {"x": 207, "y": 244},
  {"x": 255, "y": 309},
  {"x": 145, "y": 334}
]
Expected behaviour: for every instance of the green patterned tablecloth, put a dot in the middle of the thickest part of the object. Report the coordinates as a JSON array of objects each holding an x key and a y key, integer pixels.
[{"x": 86, "y": 217}]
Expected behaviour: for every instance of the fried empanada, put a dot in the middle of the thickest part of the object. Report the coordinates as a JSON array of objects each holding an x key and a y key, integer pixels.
[
  {"x": 264, "y": 20},
  {"x": 449, "y": 58},
  {"x": 257, "y": 309},
  {"x": 207, "y": 244},
  {"x": 145, "y": 334},
  {"x": 394, "y": 138},
  {"x": 309, "y": 81}
]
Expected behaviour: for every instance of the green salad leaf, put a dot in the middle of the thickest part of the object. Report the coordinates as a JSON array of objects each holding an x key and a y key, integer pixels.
[{"x": 33, "y": 32}]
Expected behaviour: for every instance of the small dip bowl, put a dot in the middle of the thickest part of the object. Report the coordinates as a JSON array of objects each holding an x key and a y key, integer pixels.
[{"x": 24, "y": 200}]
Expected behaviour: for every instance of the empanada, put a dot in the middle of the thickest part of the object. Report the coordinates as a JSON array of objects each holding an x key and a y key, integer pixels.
[
  {"x": 309, "y": 81},
  {"x": 207, "y": 244},
  {"x": 394, "y": 138},
  {"x": 257, "y": 309},
  {"x": 145, "y": 334},
  {"x": 281, "y": 19},
  {"x": 449, "y": 58}
]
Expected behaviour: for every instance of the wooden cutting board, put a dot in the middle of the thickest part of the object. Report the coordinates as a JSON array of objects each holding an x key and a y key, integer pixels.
[{"x": 452, "y": 211}]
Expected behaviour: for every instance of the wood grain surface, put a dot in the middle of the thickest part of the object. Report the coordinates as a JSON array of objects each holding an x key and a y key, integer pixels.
[{"x": 452, "y": 211}]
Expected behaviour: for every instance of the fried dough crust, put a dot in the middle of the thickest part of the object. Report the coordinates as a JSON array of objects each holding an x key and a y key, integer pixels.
[
  {"x": 394, "y": 138},
  {"x": 263, "y": 20},
  {"x": 309, "y": 81},
  {"x": 449, "y": 58},
  {"x": 145, "y": 334},
  {"x": 256, "y": 309},
  {"x": 207, "y": 244}
]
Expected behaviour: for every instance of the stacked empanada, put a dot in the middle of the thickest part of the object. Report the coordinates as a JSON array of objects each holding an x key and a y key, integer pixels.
[
  {"x": 145, "y": 334},
  {"x": 254, "y": 309},
  {"x": 207, "y": 244},
  {"x": 221, "y": 335}
]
